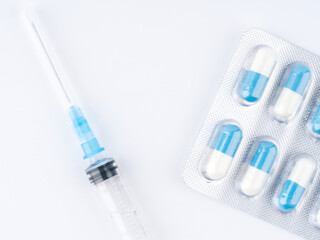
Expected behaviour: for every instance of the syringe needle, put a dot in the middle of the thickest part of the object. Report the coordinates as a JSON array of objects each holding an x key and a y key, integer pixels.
[{"x": 58, "y": 75}]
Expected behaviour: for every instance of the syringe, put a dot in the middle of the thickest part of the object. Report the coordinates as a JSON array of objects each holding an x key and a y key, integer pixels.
[{"x": 103, "y": 171}]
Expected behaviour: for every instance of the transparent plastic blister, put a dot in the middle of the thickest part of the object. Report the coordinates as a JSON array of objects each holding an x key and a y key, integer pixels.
[
  {"x": 254, "y": 75},
  {"x": 291, "y": 91},
  {"x": 258, "y": 167},
  {"x": 313, "y": 125},
  {"x": 220, "y": 150},
  {"x": 295, "y": 183},
  {"x": 269, "y": 94}
]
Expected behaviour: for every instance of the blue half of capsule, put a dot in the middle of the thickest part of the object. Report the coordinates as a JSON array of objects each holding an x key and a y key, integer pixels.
[
  {"x": 315, "y": 122},
  {"x": 226, "y": 140},
  {"x": 265, "y": 156},
  {"x": 298, "y": 76},
  {"x": 290, "y": 196},
  {"x": 252, "y": 85}
]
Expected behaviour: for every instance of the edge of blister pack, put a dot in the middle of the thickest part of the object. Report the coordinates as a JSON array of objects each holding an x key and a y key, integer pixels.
[{"x": 292, "y": 138}]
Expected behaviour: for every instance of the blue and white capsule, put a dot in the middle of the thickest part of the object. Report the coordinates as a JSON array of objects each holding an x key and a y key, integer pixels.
[
  {"x": 313, "y": 124},
  {"x": 257, "y": 173},
  {"x": 300, "y": 178},
  {"x": 220, "y": 151},
  {"x": 255, "y": 74},
  {"x": 296, "y": 79}
]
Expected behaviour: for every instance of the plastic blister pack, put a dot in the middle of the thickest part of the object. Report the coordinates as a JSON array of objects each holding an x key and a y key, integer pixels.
[{"x": 258, "y": 149}]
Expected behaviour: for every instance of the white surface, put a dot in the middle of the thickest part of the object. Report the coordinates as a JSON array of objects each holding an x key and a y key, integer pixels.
[
  {"x": 216, "y": 164},
  {"x": 253, "y": 181},
  {"x": 264, "y": 61},
  {"x": 145, "y": 73},
  {"x": 303, "y": 172},
  {"x": 286, "y": 105}
]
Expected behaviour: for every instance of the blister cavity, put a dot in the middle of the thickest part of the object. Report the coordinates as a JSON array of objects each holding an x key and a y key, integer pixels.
[
  {"x": 296, "y": 180},
  {"x": 294, "y": 86},
  {"x": 254, "y": 75},
  {"x": 220, "y": 151},
  {"x": 313, "y": 124},
  {"x": 257, "y": 166}
]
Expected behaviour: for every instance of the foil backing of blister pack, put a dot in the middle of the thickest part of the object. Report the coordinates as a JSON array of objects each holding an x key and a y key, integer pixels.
[{"x": 256, "y": 121}]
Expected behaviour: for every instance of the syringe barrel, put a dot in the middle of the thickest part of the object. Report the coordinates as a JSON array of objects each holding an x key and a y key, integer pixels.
[{"x": 109, "y": 184}]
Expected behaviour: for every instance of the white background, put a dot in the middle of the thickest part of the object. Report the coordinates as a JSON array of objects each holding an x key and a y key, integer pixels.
[{"x": 145, "y": 73}]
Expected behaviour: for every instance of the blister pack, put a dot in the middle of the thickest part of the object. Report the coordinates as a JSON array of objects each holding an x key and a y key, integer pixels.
[{"x": 259, "y": 147}]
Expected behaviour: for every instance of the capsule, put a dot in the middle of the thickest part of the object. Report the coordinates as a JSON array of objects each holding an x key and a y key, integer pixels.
[
  {"x": 314, "y": 125},
  {"x": 255, "y": 74},
  {"x": 257, "y": 172},
  {"x": 299, "y": 179},
  {"x": 220, "y": 151},
  {"x": 296, "y": 79}
]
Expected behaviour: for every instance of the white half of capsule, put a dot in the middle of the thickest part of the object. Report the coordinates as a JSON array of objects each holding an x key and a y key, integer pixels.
[
  {"x": 263, "y": 61},
  {"x": 253, "y": 181},
  {"x": 217, "y": 165},
  {"x": 287, "y": 104},
  {"x": 303, "y": 172}
]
